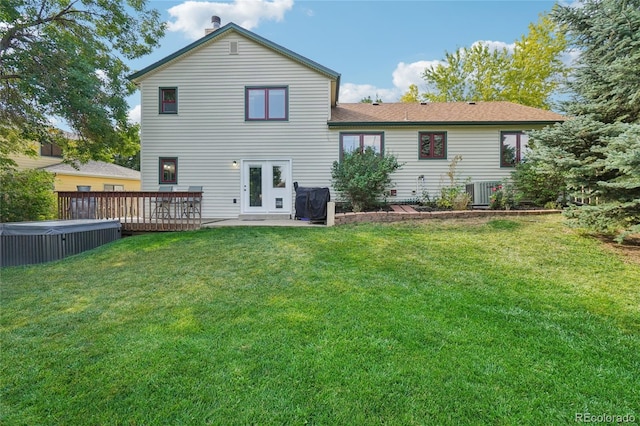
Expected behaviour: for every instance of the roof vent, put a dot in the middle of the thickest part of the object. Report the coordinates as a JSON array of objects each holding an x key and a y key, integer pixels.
[
  {"x": 233, "y": 48},
  {"x": 471, "y": 103},
  {"x": 423, "y": 103},
  {"x": 375, "y": 103}
]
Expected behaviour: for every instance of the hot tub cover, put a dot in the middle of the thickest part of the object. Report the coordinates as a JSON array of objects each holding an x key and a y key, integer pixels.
[{"x": 56, "y": 227}]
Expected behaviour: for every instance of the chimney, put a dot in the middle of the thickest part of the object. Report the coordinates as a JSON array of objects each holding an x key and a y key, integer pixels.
[{"x": 215, "y": 21}]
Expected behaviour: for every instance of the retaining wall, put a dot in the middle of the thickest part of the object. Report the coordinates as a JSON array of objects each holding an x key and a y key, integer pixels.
[{"x": 363, "y": 217}]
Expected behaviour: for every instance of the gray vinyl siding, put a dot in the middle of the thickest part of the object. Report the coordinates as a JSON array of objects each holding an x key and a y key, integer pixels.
[
  {"x": 479, "y": 147},
  {"x": 210, "y": 132}
]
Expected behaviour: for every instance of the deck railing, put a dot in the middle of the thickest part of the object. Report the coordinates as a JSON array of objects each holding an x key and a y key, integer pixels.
[{"x": 137, "y": 211}]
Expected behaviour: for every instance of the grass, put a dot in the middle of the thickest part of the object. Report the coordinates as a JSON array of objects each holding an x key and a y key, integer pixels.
[{"x": 517, "y": 321}]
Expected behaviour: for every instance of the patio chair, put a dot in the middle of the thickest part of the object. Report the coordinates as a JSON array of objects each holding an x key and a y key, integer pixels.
[
  {"x": 191, "y": 206},
  {"x": 163, "y": 203}
]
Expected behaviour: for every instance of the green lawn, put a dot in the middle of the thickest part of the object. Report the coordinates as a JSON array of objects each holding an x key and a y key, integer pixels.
[{"x": 518, "y": 321}]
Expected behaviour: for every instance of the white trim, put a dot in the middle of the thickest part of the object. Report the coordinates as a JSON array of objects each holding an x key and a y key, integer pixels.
[{"x": 287, "y": 209}]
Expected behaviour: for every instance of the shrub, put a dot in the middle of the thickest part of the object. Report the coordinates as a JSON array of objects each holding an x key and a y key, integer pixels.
[
  {"x": 537, "y": 184},
  {"x": 27, "y": 195},
  {"x": 362, "y": 176},
  {"x": 453, "y": 196},
  {"x": 503, "y": 197}
]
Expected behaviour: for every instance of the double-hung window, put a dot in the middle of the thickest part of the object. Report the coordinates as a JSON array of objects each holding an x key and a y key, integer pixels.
[
  {"x": 433, "y": 145},
  {"x": 513, "y": 148},
  {"x": 350, "y": 142},
  {"x": 168, "y": 171},
  {"x": 168, "y": 100},
  {"x": 266, "y": 103}
]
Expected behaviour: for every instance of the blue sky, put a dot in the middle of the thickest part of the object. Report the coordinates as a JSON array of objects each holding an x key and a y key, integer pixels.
[{"x": 379, "y": 47}]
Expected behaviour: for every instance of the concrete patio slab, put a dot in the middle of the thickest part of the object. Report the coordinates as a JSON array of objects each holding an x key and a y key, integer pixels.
[{"x": 216, "y": 223}]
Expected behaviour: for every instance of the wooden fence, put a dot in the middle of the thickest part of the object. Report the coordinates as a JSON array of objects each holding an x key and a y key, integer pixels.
[
  {"x": 137, "y": 211},
  {"x": 584, "y": 196}
]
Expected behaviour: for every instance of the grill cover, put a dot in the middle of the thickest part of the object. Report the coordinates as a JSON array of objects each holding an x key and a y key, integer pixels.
[{"x": 311, "y": 203}]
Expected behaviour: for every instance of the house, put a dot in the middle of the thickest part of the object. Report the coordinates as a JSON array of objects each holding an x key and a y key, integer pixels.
[
  {"x": 245, "y": 118},
  {"x": 100, "y": 176}
]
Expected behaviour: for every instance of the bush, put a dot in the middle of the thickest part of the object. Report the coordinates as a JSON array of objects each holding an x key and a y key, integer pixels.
[
  {"x": 362, "y": 176},
  {"x": 453, "y": 198},
  {"x": 27, "y": 195},
  {"x": 454, "y": 195},
  {"x": 503, "y": 197},
  {"x": 537, "y": 185}
]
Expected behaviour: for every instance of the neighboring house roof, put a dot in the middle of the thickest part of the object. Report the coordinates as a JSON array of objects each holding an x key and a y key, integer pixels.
[
  {"x": 231, "y": 27},
  {"x": 94, "y": 168},
  {"x": 441, "y": 113}
]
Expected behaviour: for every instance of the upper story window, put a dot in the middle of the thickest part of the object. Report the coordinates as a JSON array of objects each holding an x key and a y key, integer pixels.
[
  {"x": 168, "y": 100},
  {"x": 350, "y": 142},
  {"x": 513, "y": 147},
  {"x": 50, "y": 150},
  {"x": 433, "y": 145},
  {"x": 168, "y": 170},
  {"x": 267, "y": 103}
]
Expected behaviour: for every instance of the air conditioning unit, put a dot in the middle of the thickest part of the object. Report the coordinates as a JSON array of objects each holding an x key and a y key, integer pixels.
[{"x": 481, "y": 191}]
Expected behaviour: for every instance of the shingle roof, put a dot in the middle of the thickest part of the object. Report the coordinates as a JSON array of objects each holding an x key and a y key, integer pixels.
[
  {"x": 95, "y": 168},
  {"x": 408, "y": 114}
]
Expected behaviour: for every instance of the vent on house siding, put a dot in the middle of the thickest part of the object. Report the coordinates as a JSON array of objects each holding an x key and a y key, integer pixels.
[{"x": 233, "y": 48}]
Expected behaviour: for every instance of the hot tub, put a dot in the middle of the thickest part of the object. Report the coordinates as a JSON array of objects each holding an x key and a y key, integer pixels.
[{"x": 24, "y": 243}]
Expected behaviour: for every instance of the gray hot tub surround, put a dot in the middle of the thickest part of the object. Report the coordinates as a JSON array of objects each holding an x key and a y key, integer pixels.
[{"x": 23, "y": 243}]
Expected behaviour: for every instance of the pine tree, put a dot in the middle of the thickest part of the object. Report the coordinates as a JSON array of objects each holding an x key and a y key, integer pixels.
[{"x": 598, "y": 150}]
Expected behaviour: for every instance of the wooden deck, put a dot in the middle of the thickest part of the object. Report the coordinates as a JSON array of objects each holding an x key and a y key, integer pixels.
[{"x": 140, "y": 211}]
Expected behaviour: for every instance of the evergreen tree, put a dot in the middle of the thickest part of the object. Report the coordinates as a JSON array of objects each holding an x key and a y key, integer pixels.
[{"x": 598, "y": 150}]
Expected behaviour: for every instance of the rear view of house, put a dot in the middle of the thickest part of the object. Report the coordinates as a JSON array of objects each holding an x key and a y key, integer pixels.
[{"x": 246, "y": 118}]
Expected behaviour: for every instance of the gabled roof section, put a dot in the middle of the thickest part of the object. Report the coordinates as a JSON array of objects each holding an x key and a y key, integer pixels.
[
  {"x": 440, "y": 113},
  {"x": 231, "y": 27},
  {"x": 95, "y": 168}
]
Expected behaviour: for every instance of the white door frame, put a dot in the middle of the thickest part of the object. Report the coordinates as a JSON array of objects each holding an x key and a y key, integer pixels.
[{"x": 275, "y": 200}]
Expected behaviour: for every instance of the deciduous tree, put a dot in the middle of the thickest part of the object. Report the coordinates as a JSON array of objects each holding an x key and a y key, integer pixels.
[
  {"x": 412, "y": 95},
  {"x": 528, "y": 75},
  {"x": 65, "y": 60}
]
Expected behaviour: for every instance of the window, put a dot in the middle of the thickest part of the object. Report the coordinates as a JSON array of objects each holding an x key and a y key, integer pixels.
[
  {"x": 432, "y": 145},
  {"x": 351, "y": 141},
  {"x": 168, "y": 100},
  {"x": 266, "y": 103},
  {"x": 513, "y": 147},
  {"x": 109, "y": 187},
  {"x": 50, "y": 150},
  {"x": 168, "y": 171}
]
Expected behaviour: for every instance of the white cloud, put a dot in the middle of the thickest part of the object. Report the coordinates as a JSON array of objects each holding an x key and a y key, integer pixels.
[
  {"x": 496, "y": 45},
  {"x": 570, "y": 57},
  {"x": 192, "y": 17},
  {"x": 407, "y": 74},
  {"x": 352, "y": 93},
  {"x": 403, "y": 76},
  {"x": 134, "y": 114}
]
